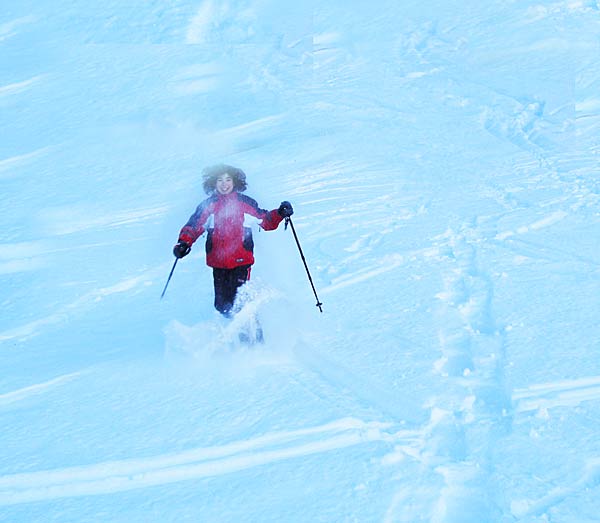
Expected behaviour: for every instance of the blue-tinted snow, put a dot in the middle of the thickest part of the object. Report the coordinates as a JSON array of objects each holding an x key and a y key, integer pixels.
[{"x": 442, "y": 159}]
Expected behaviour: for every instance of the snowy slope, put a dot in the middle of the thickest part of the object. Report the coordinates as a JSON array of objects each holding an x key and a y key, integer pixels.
[{"x": 442, "y": 159}]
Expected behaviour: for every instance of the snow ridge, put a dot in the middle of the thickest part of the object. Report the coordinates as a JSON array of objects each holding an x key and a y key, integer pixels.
[{"x": 119, "y": 476}]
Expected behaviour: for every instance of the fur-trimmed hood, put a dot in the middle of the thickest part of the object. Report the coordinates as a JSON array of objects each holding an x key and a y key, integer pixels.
[{"x": 210, "y": 175}]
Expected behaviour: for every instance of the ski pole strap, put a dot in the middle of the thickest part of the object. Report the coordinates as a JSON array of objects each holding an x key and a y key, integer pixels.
[{"x": 288, "y": 220}]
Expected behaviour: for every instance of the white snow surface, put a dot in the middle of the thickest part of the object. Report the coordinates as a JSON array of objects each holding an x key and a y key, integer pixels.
[{"x": 443, "y": 162}]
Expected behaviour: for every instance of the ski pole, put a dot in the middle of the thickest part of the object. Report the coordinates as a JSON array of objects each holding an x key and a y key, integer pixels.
[
  {"x": 169, "y": 278},
  {"x": 288, "y": 220}
]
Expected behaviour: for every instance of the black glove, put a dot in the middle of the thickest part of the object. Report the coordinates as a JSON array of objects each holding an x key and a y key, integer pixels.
[
  {"x": 181, "y": 249},
  {"x": 285, "y": 210}
]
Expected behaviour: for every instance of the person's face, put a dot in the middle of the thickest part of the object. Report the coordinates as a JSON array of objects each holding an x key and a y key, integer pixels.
[{"x": 224, "y": 184}]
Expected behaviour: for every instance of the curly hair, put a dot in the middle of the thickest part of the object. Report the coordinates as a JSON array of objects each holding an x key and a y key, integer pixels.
[{"x": 210, "y": 175}]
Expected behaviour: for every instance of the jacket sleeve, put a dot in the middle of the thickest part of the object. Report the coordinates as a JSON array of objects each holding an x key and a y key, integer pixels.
[
  {"x": 270, "y": 220},
  {"x": 194, "y": 228}
]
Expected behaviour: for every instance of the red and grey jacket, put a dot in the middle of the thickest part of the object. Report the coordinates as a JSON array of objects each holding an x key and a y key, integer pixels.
[{"x": 227, "y": 218}]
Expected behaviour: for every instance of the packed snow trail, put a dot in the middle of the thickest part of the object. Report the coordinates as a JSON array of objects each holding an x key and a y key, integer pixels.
[{"x": 110, "y": 477}]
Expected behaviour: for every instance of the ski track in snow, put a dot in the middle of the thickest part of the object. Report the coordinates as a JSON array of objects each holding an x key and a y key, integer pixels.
[
  {"x": 537, "y": 399},
  {"x": 19, "y": 87},
  {"x": 69, "y": 220},
  {"x": 472, "y": 362},
  {"x": 9, "y": 398},
  {"x": 201, "y": 78},
  {"x": 387, "y": 264},
  {"x": 473, "y": 354},
  {"x": 7, "y": 164},
  {"x": 79, "y": 306},
  {"x": 589, "y": 479},
  {"x": 119, "y": 476},
  {"x": 8, "y": 29},
  {"x": 475, "y": 401},
  {"x": 476, "y": 405},
  {"x": 566, "y": 393},
  {"x": 199, "y": 26},
  {"x": 544, "y": 222},
  {"x": 333, "y": 382},
  {"x": 345, "y": 271}
]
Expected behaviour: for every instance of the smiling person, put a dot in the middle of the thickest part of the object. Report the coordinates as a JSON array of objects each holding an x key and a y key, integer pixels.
[{"x": 227, "y": 216}]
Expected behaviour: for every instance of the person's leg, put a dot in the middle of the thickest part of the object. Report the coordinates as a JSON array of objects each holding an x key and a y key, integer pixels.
[
  {"x": 240, "y": 275},
  {"x": 224, "y": 290},
  {"x": 252, "y": 332},
  {"x": 227, "y": 282}
]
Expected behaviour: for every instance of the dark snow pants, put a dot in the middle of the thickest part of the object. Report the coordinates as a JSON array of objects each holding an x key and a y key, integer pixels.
[{"x": 227, "y": 282}]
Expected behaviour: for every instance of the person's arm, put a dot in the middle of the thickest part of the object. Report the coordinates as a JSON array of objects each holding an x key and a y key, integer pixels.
[
  {"x": 275, "y": 217},
  {"x": 192, "y": 230},
  {"x": 270, "y": 220}
]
